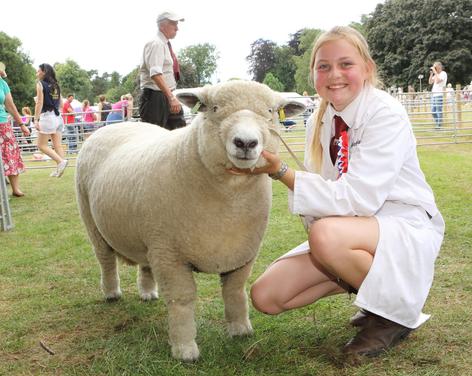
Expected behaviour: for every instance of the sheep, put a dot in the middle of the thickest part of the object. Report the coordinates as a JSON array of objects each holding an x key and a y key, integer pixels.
[{"x": 165, "y": 201}]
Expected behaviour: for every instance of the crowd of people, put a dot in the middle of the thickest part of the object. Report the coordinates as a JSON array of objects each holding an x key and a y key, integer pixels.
[{"x": 52, "y": 119}]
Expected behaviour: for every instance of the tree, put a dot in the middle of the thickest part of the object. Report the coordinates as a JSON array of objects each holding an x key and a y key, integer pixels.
[
  {"x": 202, "y": 58},
  {"x": 130, "y": 83},
  {"x": 188, "y": 75},
  {"x": 407, "y": 36},
  {"x": 21, "y": 74},
  {"x": 285, "y": 67},
  {"x": 100, "y": 84},
  {"x": 361, "y": 27},
  {"x": 73, "y": 80},
  {"x": 302, "y": 62},
  {"x": 273, "y": 82},
  {"x": 261, "y": 59},
  {"x": 294, "y": 42}
]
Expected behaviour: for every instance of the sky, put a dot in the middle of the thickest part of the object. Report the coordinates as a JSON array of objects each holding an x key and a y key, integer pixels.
[{"x": 109, "y": 35}]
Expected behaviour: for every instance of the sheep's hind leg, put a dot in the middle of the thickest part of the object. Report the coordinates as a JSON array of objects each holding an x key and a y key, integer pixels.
[
  {"x": 236, "y": 302},
  {"x": 110, "y": 280},
  {"x": 177, "y": 287},
  {"x": 146, "y": 285}
]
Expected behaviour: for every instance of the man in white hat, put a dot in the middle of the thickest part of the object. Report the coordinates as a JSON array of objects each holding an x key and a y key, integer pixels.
[{"x": 159, "y": 72}]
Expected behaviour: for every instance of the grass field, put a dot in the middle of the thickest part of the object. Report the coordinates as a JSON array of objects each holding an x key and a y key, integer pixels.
[{"x": 49, "y": 293}]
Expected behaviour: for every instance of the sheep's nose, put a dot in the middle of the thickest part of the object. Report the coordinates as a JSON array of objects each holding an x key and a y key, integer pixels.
[{"x": 245, "y": 144}]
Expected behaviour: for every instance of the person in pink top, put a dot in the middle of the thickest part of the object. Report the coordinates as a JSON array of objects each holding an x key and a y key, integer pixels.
[
  {"x": 121, "y": 110},
  {"x": 88, "y": 118}
]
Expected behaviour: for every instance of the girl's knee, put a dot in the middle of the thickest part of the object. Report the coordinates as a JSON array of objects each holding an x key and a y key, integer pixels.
[
  {"x": 262, "y": 300},
  {"x": 324, "y": 239},
  {"x": 324, "y": 233}
]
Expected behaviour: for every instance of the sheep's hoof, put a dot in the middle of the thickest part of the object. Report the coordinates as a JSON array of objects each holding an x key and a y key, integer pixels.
[
  {"x": 187, "y": 352},
  {"x": 148, "y": 296},
  {"x": 240, "y": 329},
  {"x": 113, "y": 296}
]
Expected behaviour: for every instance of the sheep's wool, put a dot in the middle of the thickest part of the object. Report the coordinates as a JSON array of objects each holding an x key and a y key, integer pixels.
[{"x": 165, "y": 201}]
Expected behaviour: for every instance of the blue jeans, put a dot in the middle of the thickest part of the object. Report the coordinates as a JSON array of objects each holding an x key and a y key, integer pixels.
[
  {"x": 72, "y": 135},
  {"x": 114, "y": 117},
  {"x": 436, "y": 109}
]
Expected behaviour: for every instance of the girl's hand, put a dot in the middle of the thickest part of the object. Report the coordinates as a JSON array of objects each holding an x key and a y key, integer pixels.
[
  {"x": 272, "y": 166},
  {"x": 36, "y": 124}
]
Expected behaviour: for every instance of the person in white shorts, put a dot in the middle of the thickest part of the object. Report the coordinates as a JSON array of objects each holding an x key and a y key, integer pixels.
[
  {"x": 373, "y": 225},
  {"x": 47, "y": 119}
]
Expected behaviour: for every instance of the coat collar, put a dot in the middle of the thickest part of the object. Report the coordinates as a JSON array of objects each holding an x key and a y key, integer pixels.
[{"x": 353, "y": 113}]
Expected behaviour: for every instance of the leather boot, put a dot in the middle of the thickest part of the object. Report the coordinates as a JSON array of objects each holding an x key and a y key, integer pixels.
[
  {"x": 376, "y": 336},
  {"x": 360, "y": 318}
]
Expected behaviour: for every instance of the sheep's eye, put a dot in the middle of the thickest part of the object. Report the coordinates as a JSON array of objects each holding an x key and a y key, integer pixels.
[
  {"x": 215, "y": 108},
  {"x": 271, "y": 110}
]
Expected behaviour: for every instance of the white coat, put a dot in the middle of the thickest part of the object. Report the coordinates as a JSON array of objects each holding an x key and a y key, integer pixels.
[{"x": 384, "y": 180}]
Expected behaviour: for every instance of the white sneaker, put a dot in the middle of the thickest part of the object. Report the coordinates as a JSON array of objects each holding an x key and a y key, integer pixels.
[
  {"x": 61, "y": 167},
  {"x": 53, "y": 174}
]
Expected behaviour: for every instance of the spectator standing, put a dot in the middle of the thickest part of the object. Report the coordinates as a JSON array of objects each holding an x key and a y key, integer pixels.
[
  {"x": 69, "y": 122},
  {"x": 11, "y": 156},
  {"x": 47, "y": 119},
  {"x": 159, "y": 73},
  {"x": 121, "y": 110},
  {"x": 27, "y": 119},
  {"x": 104, "y": 108},
  {"x": 88, "y": 118},
  {"x": 437, "y": 78}
]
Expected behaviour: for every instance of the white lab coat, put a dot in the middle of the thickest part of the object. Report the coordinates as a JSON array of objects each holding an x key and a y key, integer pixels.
[{"x": 384, "y": 180}]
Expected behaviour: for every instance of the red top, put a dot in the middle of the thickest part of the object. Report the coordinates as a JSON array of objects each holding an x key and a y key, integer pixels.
[{"x": 68, "y": 119}]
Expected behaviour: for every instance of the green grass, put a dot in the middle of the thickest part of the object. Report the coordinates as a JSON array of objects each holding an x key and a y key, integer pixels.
[{"x": 49, "y": 292}]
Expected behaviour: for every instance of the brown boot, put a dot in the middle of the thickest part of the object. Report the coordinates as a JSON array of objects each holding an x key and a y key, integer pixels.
[
  {"x": 376, "y": 336},
  {"x": 360, "y": 318}
]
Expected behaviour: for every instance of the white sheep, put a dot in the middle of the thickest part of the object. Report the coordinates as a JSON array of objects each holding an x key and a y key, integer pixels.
[{"x": 165, "y": 201}]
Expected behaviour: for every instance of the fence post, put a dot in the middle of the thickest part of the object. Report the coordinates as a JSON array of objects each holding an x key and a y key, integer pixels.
[
  {"x": 5, "y": 213},
  {"x": 459, "y": 104}
]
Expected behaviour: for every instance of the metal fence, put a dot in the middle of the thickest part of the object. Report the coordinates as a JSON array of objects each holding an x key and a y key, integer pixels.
[{"x": 456, "y": 127}]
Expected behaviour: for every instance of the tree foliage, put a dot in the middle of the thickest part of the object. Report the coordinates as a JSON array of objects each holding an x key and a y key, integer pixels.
[
  {"x": 198, "y": 63},
  {"x": 261, "y": 59},
  {"x": 273, "y": 82},
  {"x": 302, "y": 62},
  {"x": 407, "y": 36},
  {"x": 73, "y": 79},
  {"x": 285, "y": 68},
  {"x": 294, "y": 42},
  {"x": 21, "y": 74}
]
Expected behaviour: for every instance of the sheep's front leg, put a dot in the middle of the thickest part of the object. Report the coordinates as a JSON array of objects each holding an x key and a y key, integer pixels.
[
  {"x": 177, "y": 287},
  {"x": 235, "y": 299}
]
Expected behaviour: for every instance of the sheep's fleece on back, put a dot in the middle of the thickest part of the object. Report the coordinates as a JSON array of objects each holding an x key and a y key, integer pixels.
[{"x": 164, "y": 200}]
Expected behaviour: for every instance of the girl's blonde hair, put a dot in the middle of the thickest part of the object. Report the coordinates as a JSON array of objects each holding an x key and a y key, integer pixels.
[{"x": 358, "y": 41}]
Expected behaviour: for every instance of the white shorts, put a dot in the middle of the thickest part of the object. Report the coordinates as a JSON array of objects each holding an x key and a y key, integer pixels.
[{"x": 50, "y": 123}]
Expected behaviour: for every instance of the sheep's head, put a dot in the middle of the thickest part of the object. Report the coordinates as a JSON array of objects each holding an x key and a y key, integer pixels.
[{"x": 244, "y": 115}]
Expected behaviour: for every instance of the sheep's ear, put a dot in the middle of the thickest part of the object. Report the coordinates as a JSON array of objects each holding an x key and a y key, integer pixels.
[
  {"x": 292, "y": 108},
  {"x": 192, "y": 100}
]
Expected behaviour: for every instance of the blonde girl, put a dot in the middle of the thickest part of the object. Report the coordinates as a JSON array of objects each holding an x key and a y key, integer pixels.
[{"x": 373, "y": 225}]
